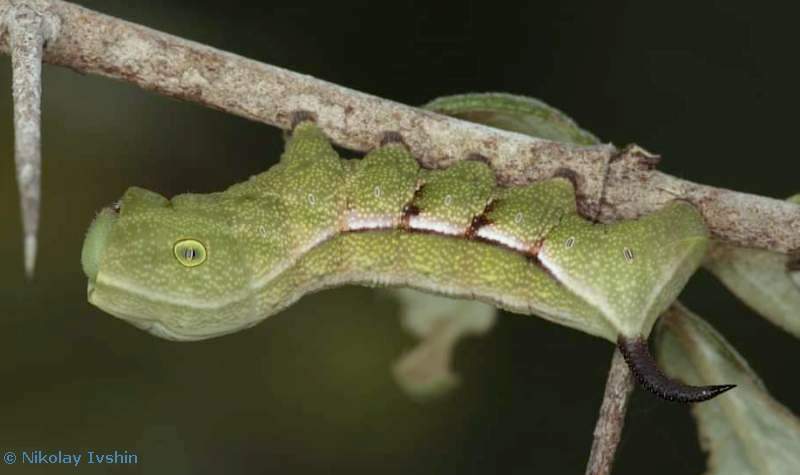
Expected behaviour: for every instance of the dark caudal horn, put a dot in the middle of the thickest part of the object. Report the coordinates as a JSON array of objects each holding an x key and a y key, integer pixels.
[{"x": 644, "y": 367}]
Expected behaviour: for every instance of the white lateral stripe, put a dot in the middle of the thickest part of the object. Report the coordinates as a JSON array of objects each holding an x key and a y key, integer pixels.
[
  {"x": 424, "y": 223},
  {"x": 352, "y": 223},
  {"x": 491, "y": 233},
  {"x": 355, "y": 222}
]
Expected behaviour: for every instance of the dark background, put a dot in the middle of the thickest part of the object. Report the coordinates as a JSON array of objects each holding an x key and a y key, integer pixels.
[{"x": 712, "y": 86}]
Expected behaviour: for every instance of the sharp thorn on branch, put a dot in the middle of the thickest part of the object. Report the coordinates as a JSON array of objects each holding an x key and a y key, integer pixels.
[{"x": 28, "y": 31}]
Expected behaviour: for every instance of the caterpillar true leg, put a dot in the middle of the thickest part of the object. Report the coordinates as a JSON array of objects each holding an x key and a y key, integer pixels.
[{"x": 644, "y": 367}]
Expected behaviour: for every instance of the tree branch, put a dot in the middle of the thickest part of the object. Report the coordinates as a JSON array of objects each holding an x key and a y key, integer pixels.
[
  {"x": 609, "y": 425},
  {"x": 610, "y": 184}
]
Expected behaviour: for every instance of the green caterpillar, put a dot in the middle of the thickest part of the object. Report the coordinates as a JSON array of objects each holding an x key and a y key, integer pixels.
[{"x": 200, "y": 266}]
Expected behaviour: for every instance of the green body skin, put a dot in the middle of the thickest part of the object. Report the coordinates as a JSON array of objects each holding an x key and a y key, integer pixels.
[{"x": 316, "y": 221}]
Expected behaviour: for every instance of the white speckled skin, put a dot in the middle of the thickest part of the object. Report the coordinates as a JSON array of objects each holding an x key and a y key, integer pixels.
[{"x": 315, "y": 221}]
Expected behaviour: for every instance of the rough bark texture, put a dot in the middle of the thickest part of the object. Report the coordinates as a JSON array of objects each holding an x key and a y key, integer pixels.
[
  {"x": 609, "y": 425},
  {"x": 611, "y": 184}
]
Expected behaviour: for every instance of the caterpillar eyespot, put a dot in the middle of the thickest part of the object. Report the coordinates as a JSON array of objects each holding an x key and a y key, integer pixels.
[{"x": 190, "y": 252}]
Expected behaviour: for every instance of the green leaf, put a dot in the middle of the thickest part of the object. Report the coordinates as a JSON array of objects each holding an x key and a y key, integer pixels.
[
  {"x": 745, "y": 431},
  {"x": 425, "y": 371},
  {"x": 763, "y": 280},
  {"x": 514, "y": 113}
]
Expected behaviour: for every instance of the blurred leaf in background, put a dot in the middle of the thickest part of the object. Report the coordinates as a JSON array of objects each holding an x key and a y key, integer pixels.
[
  {"x": 746, "y": 431},
  {"x": 762, "y": 279},
  {"x": 439, "y": 322}
]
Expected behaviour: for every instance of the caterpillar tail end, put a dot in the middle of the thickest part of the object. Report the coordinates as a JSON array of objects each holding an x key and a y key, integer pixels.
[{"x": 644, "y": 368}]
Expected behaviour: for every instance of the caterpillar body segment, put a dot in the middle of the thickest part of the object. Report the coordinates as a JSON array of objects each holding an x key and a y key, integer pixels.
[{"x": 316, "y": 220}]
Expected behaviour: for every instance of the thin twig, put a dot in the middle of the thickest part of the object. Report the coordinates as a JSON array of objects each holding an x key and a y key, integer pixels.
[
  {"x": 609, "y": 425},
  {"x": 27, "y": 34},
  {"x": 611, "y": 184}
]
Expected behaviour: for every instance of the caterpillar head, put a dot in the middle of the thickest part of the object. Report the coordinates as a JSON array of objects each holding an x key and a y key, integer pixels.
[{"x": 172, "y": 268}]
